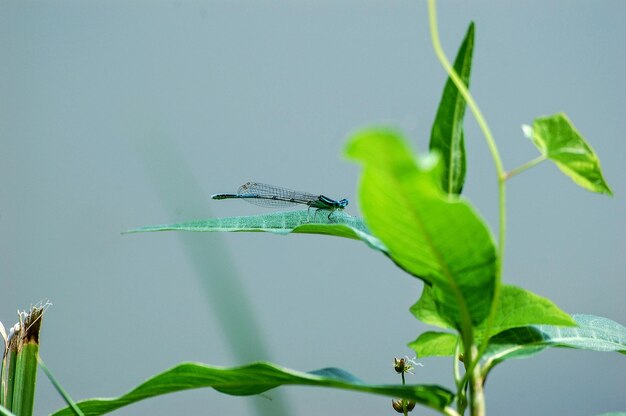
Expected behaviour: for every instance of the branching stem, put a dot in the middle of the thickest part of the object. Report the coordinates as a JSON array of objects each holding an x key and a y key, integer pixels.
[{"x": 525, "y": 166}]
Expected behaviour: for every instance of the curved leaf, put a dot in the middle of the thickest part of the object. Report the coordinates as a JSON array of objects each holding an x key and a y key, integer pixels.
[
  {"x": 426, "y": 232},
  {"x": 254, "y": 379},
  {"x": 557, "y": 138},
  {"x": 592, "y": 333},
  {"x": 446, "y": 135},
  {"x": 340, "y": 224},
  {"x": 425, "y": 310}
]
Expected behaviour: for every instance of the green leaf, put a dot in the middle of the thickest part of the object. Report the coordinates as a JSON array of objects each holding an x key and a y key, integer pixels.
[
  {"x": 517, "y": 308},
  {"x": 254, "y": 379},
  {"x": 557, "y": 139},
  {"x": 436, "y": 237},
  {"x": 425, "y": 309},
  {"x": 447, "y": 135},
  {"x": 434, "y": 344},
  {"x": 20, "y": 377},
  {"x": 592, "y": 333},
  {"x": 340, "y": 224},
  {"x": 5, "y": 412}
]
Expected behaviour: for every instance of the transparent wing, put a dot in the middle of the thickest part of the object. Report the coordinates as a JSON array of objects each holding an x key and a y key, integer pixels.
[{"x": 273, "y": 196}]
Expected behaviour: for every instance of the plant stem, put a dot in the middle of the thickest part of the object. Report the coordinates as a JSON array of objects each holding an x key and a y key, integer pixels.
[
  {"x": 405, "y": 412},
  {"x": 476, "y": 387},
  {"x": 473, "y": 357},
  {"x": 501, "y": 174},
  {"x": 450, "y": 412},
  {"x": 525, "y": 166},
  {"x": 459, "y": 381}
]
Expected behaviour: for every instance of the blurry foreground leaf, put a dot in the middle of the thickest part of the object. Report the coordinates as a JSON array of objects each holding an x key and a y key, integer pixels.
[{"x": 427, "y": 232}]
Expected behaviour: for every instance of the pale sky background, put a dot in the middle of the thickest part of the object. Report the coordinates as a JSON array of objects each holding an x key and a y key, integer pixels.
[{"x": 117, "y": 114}]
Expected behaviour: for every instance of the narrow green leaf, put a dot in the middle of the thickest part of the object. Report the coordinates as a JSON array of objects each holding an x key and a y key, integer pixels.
[
  {"x": 25, "y": 379},
  {"x": 425, "y": 231},
  {"x": 25, "y": 341},
  {"x": 557, "y": 138},
  {"x": 4, "y": 364},
  {"x": 71, "y": 403},
  {"x": 340, "y": 224},
  {"x": 254, "y": 379},
  {"x": 447, "y": 135},
  {"x": 434, "y": 344},
  {"x": 8, "y": 375},
  {"x": 3, "y": 333},
  {"x": 592, "y": 333}
]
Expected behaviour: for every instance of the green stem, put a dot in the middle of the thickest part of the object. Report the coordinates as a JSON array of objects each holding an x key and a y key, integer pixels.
[
  {"x": 450, "y": 412},
  {"x": 404, "y": 409},
  {"x": 525, "y": 166},
  {"x": 458, "y": 379},
  {"x": 434, "y": 33},
  {"x": 473, "y": 357},
  {"x": 501, "y": 174},
  {"x": 476, "y": 387}
]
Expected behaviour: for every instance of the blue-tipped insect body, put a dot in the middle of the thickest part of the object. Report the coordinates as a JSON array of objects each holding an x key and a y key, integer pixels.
[{"x": 274, "y": 196}]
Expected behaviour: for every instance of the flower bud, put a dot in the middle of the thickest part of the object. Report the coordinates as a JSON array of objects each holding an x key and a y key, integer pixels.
[{"x": 398, "y": 405}]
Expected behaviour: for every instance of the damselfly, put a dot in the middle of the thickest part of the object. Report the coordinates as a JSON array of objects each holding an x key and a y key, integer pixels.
[{"x": 276, "y": 196}]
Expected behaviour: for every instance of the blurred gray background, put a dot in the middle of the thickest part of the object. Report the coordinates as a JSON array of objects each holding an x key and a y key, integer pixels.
[{"x": 117, "y": 114}]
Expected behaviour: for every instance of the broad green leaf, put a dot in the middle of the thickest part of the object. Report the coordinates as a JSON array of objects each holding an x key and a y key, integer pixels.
[
  {"x": 340, "y": 224},
  {"x": 436, "y": 237},
  {"x": 517, "y": 308},
  {"x": 446, "y": 135},
  {"x": 425, "y": 310},
  {"x": 613, "y": 414},
  {"x": 254, "y": 379},
  {"x": 434, "y": 344},
  {"x": 557, "y": 139},
  {"x": 592, "y": 333}
]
